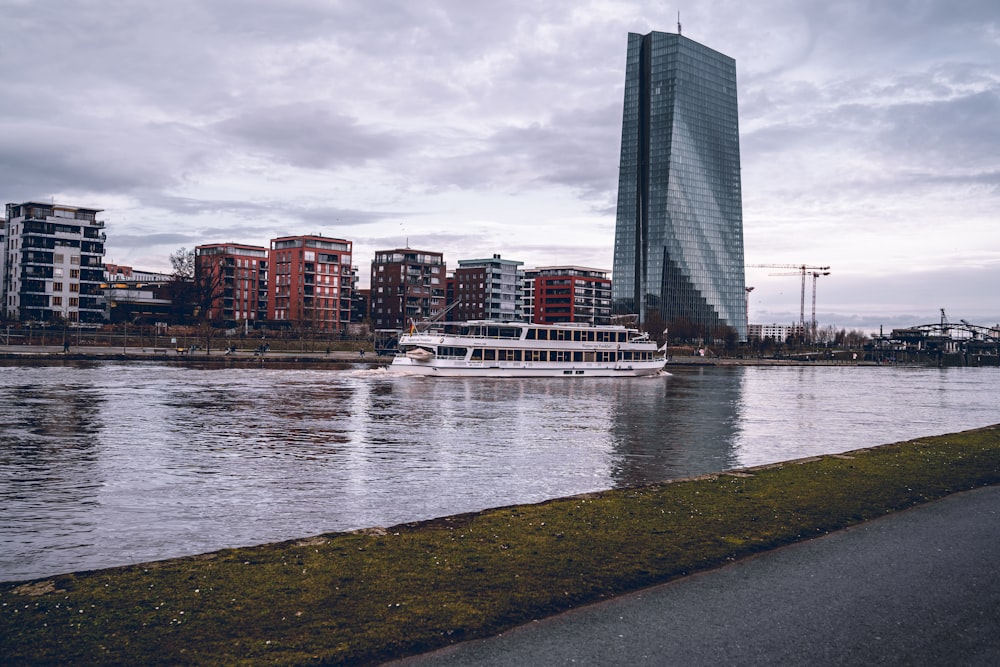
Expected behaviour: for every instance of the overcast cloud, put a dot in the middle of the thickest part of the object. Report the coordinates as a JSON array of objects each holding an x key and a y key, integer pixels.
[{"x": 870, "y": 133}]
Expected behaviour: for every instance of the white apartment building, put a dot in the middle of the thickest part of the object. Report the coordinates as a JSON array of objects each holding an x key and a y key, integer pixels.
[
  {"x": 53, "y": 263},
  {"x": 778, "y": 332}
]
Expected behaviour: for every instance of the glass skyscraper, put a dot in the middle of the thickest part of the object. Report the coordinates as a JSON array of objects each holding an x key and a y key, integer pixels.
[{"x": 679, "y": 230}]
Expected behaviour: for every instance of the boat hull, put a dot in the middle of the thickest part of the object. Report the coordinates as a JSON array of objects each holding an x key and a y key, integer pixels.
[{"x": 403, "y": 365}]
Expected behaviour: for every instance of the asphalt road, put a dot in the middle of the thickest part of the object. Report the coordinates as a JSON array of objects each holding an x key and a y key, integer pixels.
[{"x": 920, "y": 587}]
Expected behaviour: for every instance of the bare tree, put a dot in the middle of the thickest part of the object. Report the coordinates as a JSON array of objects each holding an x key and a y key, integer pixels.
[
  {"x": 182, "y": 263},
  {"x": 181, "y": 287},
  {"x": 196, "y": 291}
]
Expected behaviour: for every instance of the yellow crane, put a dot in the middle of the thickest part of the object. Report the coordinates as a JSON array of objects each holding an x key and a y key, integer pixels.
[{"x": 801, "y": 270}]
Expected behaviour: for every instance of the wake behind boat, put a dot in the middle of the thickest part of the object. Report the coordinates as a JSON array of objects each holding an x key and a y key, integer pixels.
[{"x": 521, "y": 349}]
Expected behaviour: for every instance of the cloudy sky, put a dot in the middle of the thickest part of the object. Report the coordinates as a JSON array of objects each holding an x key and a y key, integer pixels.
[{"x": 870, "y": 133}]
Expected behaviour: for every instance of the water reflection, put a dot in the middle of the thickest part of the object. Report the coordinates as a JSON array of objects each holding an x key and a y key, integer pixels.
[
  {"x": 682, "y": 427},
  {"x": 49, "y": 459},
  {"x": 105, "y": 464}
]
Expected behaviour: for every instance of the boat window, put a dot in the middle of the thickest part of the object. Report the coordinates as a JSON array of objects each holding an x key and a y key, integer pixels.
[
  {"x": 578, "y": 356},
  {"x": 490, "y": 355},
  {"x": 477, "y": 355},
  {"x": 577, "y": 336},
  {"x": 510, "y": 332},
  {"x": 589, "y": 356},
  {"x": 492, "y": 332},
  {"x": 531, "y": 334},
  {"x": 517, "y": 355}
]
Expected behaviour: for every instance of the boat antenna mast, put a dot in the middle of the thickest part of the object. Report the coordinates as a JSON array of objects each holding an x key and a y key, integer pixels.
[{"x": 441, "y": 313}]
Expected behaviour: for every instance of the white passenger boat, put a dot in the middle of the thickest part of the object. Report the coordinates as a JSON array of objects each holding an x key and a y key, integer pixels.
[{"x": 520, "y": 349}]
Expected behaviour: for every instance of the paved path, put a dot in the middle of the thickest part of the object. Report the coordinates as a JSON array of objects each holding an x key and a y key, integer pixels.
[{"x": 920, "y": 587}]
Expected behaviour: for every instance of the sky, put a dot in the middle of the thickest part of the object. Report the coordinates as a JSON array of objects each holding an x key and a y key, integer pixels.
[{"x": 869, "y": 133}]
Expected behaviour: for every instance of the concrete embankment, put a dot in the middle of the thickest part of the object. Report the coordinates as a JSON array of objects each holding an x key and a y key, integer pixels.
[
  {"x": 373, "y": 595},
  {"x": 56, "y": 354}
]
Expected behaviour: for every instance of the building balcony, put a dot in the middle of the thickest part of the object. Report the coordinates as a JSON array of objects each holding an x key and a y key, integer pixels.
[{"x": 36, "y": 271}]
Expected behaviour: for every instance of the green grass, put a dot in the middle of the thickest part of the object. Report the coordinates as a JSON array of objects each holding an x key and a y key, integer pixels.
[{"x": 369, "y": 596}]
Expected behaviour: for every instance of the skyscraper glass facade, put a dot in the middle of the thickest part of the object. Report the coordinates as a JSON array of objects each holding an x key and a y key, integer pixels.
[{"x": 679, "y": 228}]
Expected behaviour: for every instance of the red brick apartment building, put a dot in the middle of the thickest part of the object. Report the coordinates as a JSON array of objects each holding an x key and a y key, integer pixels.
[
  {"x": 311, "y": 280},
  {"x": 467, "y": 291},
  {"x": 556, "y": 294},
  {"x": 406, "y": 285},
  {"x": 237, "y": 275}
]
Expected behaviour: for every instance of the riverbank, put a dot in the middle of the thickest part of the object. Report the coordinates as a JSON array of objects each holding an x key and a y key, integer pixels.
[
  {"x": 372, "y": 595},
  {"x": 51, "y": 354},
  {"x": 56, "y": 354}
]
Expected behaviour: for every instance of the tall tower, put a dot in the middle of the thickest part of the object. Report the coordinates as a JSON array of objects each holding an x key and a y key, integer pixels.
[{"x": 679, "y": 230}]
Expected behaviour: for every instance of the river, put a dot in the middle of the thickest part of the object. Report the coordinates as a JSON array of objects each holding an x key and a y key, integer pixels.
[{"x": 108, "y": 463}]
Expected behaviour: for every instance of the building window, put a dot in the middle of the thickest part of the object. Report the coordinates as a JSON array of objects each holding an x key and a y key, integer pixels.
[
  {"x": 57, "y": 287},
  {"x": 57, "y": 301}
]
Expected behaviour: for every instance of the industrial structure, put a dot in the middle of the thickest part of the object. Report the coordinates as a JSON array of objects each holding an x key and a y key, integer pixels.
[
  {"x": 678, "y": 253},
  {"x": 802, "y": 270},
  {"x": 947, "y": 342}
]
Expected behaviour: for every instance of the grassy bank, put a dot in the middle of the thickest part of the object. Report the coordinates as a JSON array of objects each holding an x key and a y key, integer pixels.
[{"x": 368, "y": 596}]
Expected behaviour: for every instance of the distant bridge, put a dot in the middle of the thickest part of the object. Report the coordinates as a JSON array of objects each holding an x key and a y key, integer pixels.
[{"x": 962, "y": 331}]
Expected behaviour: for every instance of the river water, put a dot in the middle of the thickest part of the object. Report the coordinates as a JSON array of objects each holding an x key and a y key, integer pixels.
[{"x": 104, "y": 464}]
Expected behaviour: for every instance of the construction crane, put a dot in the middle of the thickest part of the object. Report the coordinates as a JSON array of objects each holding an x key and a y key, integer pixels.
[{"x": 801, "y": 270}]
